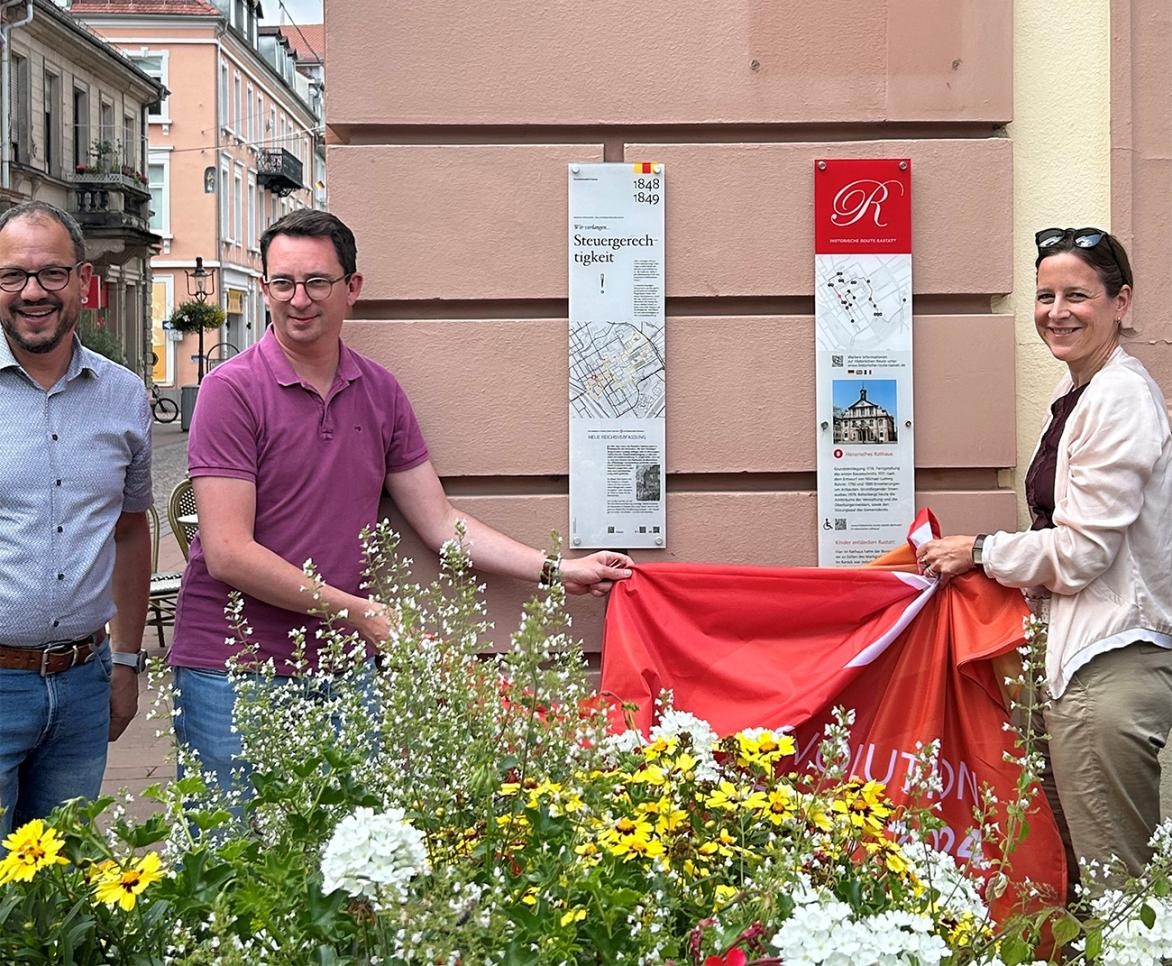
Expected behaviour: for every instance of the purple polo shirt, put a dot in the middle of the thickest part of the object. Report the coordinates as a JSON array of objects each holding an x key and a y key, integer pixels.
[{"x": 319, "y": 467}]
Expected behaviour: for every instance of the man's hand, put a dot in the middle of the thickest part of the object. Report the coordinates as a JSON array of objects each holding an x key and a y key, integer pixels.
[
  {"x": 123, "y": 699},
  {"x": 595, "y": 574}
]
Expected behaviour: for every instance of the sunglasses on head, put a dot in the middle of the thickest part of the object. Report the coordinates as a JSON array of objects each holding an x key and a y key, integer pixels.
[{"x": 1079, "y": 237}]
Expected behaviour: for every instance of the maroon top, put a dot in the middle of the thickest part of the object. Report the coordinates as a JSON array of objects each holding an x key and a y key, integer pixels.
[
  {"x": 319, "y": 467},
  {"x": 1040, "y": 478}
]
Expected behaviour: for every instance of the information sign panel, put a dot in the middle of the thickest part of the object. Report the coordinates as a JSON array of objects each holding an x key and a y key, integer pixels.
[
  {"x": 863, "y": 326},
  {"x": 616, "y": 356}
]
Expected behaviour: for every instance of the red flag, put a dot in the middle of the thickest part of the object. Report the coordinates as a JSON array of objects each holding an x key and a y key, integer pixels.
[{"x": 750, "y": 647}]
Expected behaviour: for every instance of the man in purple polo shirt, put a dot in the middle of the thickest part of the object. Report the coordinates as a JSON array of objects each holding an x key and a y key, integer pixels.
[{"x": 292, "y": 444}]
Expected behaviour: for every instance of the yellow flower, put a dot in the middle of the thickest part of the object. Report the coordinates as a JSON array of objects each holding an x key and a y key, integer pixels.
[
  {"x": 726, "y": 795},
  {"x": 892, "y": 856},
  {"x": 819, "y": 819},
  {"x": 116, "y": 885},
  {"x": 510, "y": 788},
  {"x": 97, "y": 870},
  {"x": 30, "y": 848},
  {"x": 660, "y": 746},
  {"x": 777, "y": 806},
  {"x": 530, "y": 896},
  {"x": 763, "y": 748},
  {"x": 651, "y": 775},
  {"x": 544, "y": 789},
  {"x": 667, "y": 817},
  {"x": 630, "y": 837},
  {"x": 572, "y": 803},
  {"x": 967, "y": 929},
  {"x": 684, "y": 763},
  {"x": 864, "y": 805},
  {"x": 573, "y": 915},
  {"x": 723, "y": 896}
]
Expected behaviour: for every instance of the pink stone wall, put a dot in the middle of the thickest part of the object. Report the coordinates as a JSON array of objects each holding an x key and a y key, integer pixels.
[
  {"x": 450, "y": 143},
  {"x": 1141, "y": 169}
]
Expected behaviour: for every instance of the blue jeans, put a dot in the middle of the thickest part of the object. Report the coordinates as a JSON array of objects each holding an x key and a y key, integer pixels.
[
  {"x": 54, "y": 733},
  {"x": 205, "y": 702}
]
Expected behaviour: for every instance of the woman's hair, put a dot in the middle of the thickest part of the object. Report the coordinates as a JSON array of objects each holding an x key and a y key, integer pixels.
[{"x": 1108, "y": 258}]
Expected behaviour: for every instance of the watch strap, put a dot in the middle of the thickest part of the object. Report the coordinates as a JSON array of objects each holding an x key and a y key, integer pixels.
[
  {"x": 130, "y": 659},
  {"x": 551, "y": 571},
  {"x": 979, "y": 550}
]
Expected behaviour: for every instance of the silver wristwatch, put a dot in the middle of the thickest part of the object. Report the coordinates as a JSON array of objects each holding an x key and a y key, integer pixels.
[
  {"x": 979, "y": 550},
  {"x": 131, "y": 659}
]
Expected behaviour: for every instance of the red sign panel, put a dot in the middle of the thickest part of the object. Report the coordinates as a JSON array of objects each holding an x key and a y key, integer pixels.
[
  {"x": 863, "y": 206},
  {"x": 91, "y": 298}
]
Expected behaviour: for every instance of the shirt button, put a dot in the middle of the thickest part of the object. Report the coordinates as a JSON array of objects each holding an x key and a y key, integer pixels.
[
  {"x": 54, "y": 437},
  {"x": 55, "y": 623},
  {"x": 60, "y": 529},
  {"x": 58, "y": 482},
  {"x": 61, "y": 576}
]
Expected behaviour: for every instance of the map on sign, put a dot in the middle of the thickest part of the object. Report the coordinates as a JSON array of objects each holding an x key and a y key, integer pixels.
[
  {"x": 617, "y": 370},
  {"x": 862, "y": 301}
]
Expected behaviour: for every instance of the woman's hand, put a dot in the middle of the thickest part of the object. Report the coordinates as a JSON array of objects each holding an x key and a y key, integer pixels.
[{"x": 946, "y": 557}]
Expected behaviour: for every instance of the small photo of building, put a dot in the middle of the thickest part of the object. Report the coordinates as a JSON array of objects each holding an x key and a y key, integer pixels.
[{"x": 865, "y": 410}]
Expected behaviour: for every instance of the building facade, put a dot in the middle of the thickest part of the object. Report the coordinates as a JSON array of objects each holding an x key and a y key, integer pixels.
[
  {"x": 864, "y": 421},
  {"x": 74, "y": 114},
  {"x": 231, "y": 149},
  {"x": 462, "y": 236}
]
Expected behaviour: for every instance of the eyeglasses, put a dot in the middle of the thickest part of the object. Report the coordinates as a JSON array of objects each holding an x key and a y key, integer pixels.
[
  {"x": 317, "y": 287},
  {"x": 51, "y": 278}
]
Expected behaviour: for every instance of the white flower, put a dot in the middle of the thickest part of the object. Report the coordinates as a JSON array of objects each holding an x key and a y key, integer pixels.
[
  {"x": 673, "y": 723},
  {"x": 958, "y": 893},
  {"x": 1130, "y": 941},
  {"x": 823, "y": 931},
  {"x": 373, "y": 856}
]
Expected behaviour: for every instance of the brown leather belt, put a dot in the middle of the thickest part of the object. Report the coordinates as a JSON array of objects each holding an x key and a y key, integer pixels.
[{"x": 54, "y": 657}]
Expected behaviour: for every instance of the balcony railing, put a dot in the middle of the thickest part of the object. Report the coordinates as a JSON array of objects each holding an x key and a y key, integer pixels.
[
  {"x": 279, "y": 171},
  {"x": 111, "y": 202}
]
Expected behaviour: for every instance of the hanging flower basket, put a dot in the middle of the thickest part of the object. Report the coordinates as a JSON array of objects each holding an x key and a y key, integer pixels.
[{"x": 192, "y": 315}]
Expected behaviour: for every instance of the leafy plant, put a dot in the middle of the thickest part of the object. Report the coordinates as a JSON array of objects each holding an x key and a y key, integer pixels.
[
  {"x": 96, "y": 337},
  {"x": 193, "y": 315},
  {"x": 439, "y": 806}
]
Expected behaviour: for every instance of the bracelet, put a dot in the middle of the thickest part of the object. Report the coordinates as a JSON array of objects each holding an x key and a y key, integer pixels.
[{"x": 551, "y": 571}]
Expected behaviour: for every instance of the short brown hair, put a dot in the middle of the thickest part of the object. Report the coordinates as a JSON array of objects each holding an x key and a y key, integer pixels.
[{"x": 312, "y": 223}]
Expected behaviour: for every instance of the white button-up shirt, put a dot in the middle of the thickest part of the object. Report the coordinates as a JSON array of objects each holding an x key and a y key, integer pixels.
[{"x": 72, "y": 459}]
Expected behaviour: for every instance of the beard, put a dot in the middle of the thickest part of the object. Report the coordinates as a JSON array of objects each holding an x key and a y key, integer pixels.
[{"x": 42, "y": 342}]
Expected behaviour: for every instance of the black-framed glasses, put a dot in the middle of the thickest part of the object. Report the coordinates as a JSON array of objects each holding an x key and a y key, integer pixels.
[
  {"x": 1079, "y": 237},
  {"x": 317, "y": 287},
  {"x": 51, "y": 278},
  {"x": 1047, "y": 238}
]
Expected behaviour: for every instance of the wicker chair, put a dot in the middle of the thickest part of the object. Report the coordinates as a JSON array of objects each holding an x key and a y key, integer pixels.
[
  {"x": 181, "y": 511},
  {"x": 164, "y": 586}
]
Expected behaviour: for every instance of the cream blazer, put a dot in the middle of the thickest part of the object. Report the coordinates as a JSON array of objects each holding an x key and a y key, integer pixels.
[{"x": 1107, "y": 562}]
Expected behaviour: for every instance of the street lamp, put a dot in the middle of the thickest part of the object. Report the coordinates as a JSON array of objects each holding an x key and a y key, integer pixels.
[{"x": 201, "y": 285}]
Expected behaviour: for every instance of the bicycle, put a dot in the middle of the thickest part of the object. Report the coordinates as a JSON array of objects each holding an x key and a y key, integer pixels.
[{"x": 163, "y": 409}]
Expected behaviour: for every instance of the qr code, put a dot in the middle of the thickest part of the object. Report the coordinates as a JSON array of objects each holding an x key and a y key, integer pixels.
[
  {"x": 840, "y": 523},
  {"x": 836, "y": 361}
]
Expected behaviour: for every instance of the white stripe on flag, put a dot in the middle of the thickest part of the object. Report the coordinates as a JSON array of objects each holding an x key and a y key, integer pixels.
[{"x": 914, "y": 606}]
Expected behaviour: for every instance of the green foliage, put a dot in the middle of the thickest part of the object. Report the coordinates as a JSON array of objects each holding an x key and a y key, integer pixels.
[
  {"x": 96, "y": 337},
  {"x": 546, "y": 840},
  {"x": 193, "y": 315}
]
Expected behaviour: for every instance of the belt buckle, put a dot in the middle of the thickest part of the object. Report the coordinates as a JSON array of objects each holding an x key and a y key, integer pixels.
[{"x": 54, "y": 651}]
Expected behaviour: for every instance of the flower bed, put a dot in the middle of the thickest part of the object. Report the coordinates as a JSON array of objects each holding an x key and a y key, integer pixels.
[{"x": 454, "y": 809}]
